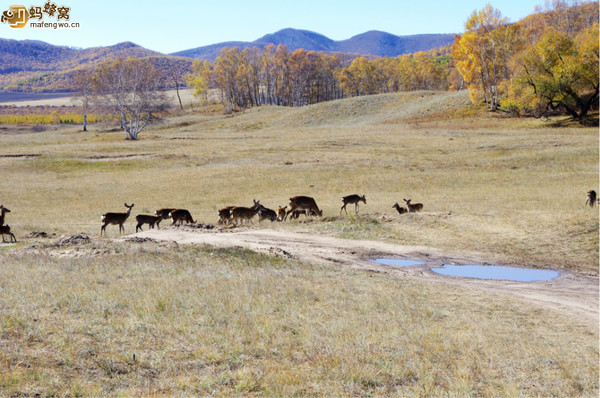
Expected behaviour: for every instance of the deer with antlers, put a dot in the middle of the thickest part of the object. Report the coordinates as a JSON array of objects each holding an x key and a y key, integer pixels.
[{"x": 116, "y": 219}]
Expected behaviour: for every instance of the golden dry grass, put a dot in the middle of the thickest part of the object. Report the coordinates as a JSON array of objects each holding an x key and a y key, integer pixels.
[{"x": 228, "y": 322}]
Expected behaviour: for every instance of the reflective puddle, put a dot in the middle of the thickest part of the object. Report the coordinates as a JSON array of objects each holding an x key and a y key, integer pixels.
[
  {"x": 494, "y": 272},
  {"x": 397, "y": 262}
]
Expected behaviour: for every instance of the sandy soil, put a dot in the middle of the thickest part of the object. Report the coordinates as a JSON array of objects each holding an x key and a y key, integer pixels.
[{"x": 577, "y": 296}]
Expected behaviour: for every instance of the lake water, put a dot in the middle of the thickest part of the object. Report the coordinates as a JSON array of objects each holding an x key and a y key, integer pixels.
[{"x": 494, "y": 272}]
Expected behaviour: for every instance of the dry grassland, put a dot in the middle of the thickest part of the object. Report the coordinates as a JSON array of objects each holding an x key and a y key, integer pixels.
[{"x": 202, "y": 321}]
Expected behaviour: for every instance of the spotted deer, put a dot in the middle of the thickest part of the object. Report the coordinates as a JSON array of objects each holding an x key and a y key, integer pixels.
[
  {"x": 303, "y": 203},
  {"x": 116, "y": 219},
  {"x": 413, "y": 207},
  {"x": 352, "y": 199}
]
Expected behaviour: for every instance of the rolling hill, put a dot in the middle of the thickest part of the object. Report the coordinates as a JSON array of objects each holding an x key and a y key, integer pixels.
[{"x": 374, "y": 43}]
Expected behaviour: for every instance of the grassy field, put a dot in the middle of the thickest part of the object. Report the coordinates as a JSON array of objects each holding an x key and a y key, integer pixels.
[{"x": 202, "y": 321}]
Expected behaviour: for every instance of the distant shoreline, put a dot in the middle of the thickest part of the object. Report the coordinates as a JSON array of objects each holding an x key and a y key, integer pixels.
[{"x": 7, "y": 97}]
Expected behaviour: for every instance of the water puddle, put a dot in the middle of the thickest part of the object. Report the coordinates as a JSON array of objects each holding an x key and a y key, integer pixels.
[
  {"x": 397, "y": 262},
  {"x": 494, "y": 272}
]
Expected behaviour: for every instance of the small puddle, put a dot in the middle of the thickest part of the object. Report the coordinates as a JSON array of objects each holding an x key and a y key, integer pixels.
[
  {"x": 494, "y": 272},
  {"x": 397, "y": 262}
]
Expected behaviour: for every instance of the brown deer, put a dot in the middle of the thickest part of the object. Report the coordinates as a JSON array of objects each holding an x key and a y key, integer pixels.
[
  {"x": 239, "y": 213},
  {"x": 3, "y": 210},
  {"x": 181, "y": 215},
  {"x": 147, "y": 219},
  {"x": 352, "y": 199},
  {"x": 163, "y": 213},
  {"x": 413, "y": 207},
  {"x": 591, "y": 198},
  {"x": 5, "y": 230},
  {"x": 266, "y": 214},
  {"x": 303, "y": 203},
  {"x": 281, "y": 213},
  {"x": 401, "y": 209},
  {"x": 116, "y": 218},
  {"x": 225, "y": 215}
]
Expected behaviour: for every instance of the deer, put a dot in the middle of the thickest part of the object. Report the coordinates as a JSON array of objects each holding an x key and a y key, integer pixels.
[
  {"x": 591, "y": 199},
  {"x": 413, "y": 207},
  {"x": 3, "y": 210},
  {"x": 181, "y": 215},
  {"x": 401, "y": 209},
  {"x": 305, "y": 203},
  {"x": 163, "y": 213},
  {"x": 352, "y": 199},
  {"x": 225, "y": 215},
  {"x": 147, "y": 219},
  {"x": 281, "y": 213},
  {"x": 245, "y": 213},
  {"x": 116, "y": 218},
  {"x": 266, "y": 214},
  {"x": 5, "y": 230}
]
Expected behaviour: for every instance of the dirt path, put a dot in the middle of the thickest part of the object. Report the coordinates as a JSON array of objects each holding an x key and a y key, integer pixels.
[{"x": 571, "y": 294}]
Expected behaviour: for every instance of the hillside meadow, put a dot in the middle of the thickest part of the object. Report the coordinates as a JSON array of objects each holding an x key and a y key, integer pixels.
[{"x": 205, "y": 321}]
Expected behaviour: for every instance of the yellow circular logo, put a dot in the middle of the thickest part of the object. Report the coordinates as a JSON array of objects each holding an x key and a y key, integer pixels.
[{"x": 16, "y": 16}]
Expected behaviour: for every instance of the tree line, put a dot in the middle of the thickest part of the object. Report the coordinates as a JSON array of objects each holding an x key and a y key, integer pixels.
[{"x": 545, "y": 64}]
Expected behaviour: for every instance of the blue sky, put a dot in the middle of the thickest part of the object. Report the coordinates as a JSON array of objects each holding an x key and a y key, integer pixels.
[{"x": 169, "y": 26}]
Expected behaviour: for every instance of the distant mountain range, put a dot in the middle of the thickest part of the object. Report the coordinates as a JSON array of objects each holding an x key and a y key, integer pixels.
[
  {"x": 36, "y": 66},
  {"x": 373, "y": 43}
]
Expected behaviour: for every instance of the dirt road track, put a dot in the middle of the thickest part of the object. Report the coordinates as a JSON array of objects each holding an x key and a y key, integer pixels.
[{"x": 571, "y": 294}]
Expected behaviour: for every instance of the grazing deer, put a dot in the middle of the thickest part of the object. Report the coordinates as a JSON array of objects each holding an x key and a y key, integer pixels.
[
  {"x": 266, "y": 214},
  {"x": 400, "y": 209},
  {"x": 281, "y": 213},
  {"x": 147, "y": 219},
  {"x": 5, "y": 230},
  {"x": 245, "y": 213},
  {"x": 591, "y": 199},
  {"x": 225, "y": 215},
  {"x": 3, "y": 210},
  {"x": 181, "y": 215},
  {"x": 352, "y": 199},
  {"x": 116, "y": 218},
  {"x": 413, "y": 207},
  {"x": 303, "y": 203},
  {"x": 163, "y": 213}
]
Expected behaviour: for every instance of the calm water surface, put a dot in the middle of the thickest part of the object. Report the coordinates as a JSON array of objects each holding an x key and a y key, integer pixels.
[{"x": 495, "y": 272}]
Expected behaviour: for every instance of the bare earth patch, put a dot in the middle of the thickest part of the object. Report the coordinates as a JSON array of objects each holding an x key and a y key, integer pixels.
[{"x": 571, "y": 294}]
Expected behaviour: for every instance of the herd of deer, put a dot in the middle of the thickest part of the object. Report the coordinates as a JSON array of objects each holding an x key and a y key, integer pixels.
[{"x": 237, "y": 215}]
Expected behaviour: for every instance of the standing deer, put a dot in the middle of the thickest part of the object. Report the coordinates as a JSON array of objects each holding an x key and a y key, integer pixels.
[
  {"x": 591, "y": 198},
  {"x": 181, "y": 215},
  {"x": 400, "y": 209},
  {"x": 5, "y": 230},
  {"x": 163, "y": 213},
  {"x": 147, "y": 219},
  {"x": 225, "y": 215},
  {"x": 266, "y": 214},
  {"x": 305, "y": 203},
  {"x": 281, "y": 213},
  {"x": 116, "y": 218},
  {"x": 245, "y": 213},
  {"x": 3, "y": 210},
  {"x": 352, "y": 199},
  {"x": 413, "y": 207}
]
